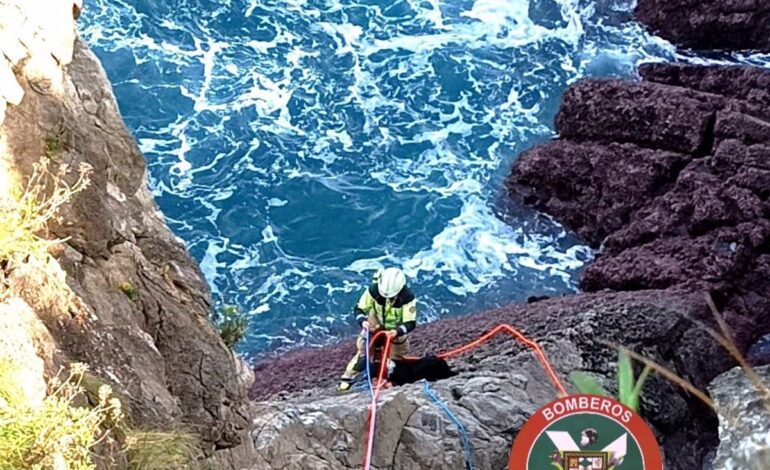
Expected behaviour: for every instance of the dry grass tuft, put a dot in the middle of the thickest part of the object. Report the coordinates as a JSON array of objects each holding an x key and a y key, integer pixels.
[
  {"x": 159, "y": 450},
  {"x": 58, "y": 433},
  {"x": 27, "y": 212}
]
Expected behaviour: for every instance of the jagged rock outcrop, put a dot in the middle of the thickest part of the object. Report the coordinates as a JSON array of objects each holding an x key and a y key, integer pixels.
[
  {"x": 571, "y": 330},
  {"x": 744, "y": 420},
  {"x": 413, "y": 433},
  {"x": 709, "y": 24},
  {"x": 122, "y": 293},
  {"x": 671, "y": 176}
]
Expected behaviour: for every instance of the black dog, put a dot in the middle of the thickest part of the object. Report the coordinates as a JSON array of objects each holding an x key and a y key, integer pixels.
[
  {"x": 406, "y": 371},
  {"x": 430, "y": 368}
]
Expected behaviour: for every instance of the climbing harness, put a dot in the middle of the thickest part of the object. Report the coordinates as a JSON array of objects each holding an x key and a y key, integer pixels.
[
  {"x": 502, "y": 328},
  {"x": 463, "y": 432}
]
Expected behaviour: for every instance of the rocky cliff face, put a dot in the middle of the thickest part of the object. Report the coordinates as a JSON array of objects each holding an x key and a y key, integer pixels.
[
  {"x": 709, "y": 24},
  {"x": 671, "y": 176},
  {"x": 122, "y": 293}
]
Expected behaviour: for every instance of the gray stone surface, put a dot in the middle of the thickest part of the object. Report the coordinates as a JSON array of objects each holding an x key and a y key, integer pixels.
[
  {"x": 412, "y": 432},
  {"x": 498, "y": 385},
  {"x": 744, "y": 420}
]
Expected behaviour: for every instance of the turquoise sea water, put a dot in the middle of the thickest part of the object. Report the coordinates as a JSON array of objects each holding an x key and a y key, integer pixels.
[{"x": 296, "y": 146}]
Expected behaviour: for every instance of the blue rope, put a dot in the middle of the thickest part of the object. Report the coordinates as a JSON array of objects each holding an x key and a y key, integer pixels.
[
  {"x": 368, "y": 371},
  {"x": 463, "y": 432}
]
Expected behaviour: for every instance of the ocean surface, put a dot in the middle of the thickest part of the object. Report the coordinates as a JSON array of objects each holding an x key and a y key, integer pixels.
[{"x": 297, "y": 145}]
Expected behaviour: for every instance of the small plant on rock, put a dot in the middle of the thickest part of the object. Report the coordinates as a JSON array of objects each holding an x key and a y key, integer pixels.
[
  {"x": 629, "y": 389},
  {"x": 53, "y": 147},
  {"x": 232, "y": 324},
  {"x": 129, "y": 289}
]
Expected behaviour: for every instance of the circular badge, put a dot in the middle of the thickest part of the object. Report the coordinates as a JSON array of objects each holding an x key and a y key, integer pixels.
[{"x": 585, "y": 432}]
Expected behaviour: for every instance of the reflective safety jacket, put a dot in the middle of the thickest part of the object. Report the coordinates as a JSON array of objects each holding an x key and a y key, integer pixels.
[{"x": 398, "y": 313}]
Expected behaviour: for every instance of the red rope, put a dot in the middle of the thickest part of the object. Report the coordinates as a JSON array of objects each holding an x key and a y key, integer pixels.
[
  {"x": 516, "y": 334},
  {"x": 503, "y": 328},
  {"x": 373, "y": 406}
]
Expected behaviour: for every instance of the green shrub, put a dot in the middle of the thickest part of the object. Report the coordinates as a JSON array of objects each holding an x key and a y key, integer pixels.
[
  {"x": 232, "y": 324},
  {"x": 53, "y": 147},
  {"x": 58, "y": 433},
  {"x": 129, "y": 289},
  {"x": 629, "y": 390}
]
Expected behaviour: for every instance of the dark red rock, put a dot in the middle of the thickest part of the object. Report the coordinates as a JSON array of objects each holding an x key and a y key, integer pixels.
[
  {"x": 748, "y": 84},
  {"x": 671, "y": 178},
  {"x": 696, "y": 218},
  {"x": 709, "y": 24},
  {"x": 647, "y": 114},
  {"x": 742, "y": 127},
  {"x": 563, "y": 178}
]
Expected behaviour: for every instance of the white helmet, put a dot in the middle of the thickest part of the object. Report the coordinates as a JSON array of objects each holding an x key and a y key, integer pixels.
[{"x": 390, "y": 282}]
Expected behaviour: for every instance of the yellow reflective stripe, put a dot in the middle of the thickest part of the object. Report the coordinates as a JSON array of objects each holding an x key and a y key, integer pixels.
[{"x": 410, "y": 312}]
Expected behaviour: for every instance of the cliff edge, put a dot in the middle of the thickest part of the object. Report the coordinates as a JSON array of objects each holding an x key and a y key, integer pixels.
[{"x": 121, "y": 293}]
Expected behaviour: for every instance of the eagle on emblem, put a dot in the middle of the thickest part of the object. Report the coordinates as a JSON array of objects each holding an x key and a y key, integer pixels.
[{"x": 571, "y": 456}]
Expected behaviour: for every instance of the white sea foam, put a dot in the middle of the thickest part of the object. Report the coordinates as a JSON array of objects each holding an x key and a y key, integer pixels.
[
  {"x": 209, "y": 264},
  {"x": 425, "y": 110},
  {"x": 275, "y": 202}
]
